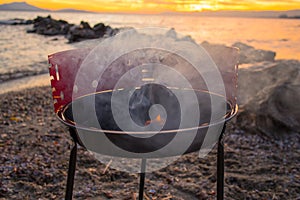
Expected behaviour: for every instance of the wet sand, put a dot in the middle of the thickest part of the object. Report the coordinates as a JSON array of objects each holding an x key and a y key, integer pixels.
[{"x": 25, "y": 83}]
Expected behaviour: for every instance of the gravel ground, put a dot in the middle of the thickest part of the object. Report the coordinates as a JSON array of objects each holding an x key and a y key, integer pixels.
[{"x": 35, "y": 149}]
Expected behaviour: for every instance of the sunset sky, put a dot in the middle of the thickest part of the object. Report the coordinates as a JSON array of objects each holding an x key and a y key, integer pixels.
[{"x": 156, "y": 6}]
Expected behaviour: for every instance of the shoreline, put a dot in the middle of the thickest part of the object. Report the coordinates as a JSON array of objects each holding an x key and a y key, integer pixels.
[
  {"x": 43, "y": 79},
  {"x": 18, "y": 80},
  {"x": 16, "y": 85}
]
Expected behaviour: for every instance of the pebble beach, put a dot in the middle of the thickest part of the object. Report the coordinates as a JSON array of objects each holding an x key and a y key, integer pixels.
[
  {"x": 35, "y": 147},
  {"x": 35, "y": 150}
]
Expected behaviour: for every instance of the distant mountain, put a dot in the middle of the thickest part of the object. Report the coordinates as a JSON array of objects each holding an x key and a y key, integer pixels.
[
  {"x": 72, "y": 11},
  {"x": 20, "y": 6},
  {"x": 23, "y": 6}
]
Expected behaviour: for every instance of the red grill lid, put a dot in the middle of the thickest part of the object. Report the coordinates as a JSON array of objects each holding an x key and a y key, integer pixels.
[{"x": 64, "y": 67}]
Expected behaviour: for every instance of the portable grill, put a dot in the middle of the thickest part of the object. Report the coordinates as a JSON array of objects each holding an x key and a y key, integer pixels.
[{"x": 95, "y": 123}]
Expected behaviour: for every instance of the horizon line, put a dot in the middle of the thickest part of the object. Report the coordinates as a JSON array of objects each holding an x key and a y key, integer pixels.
[{"x": 148, "y": 11}]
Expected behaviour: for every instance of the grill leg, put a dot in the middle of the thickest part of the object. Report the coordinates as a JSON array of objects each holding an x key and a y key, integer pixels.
[
  {"x": 220, "y": 166},
  {"x": 142, "y": 179},
  {"x": 71, "y": 171}
]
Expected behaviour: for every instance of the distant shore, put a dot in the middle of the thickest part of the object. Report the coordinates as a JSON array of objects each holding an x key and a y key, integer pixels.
[{"x": 23, "y": 6}]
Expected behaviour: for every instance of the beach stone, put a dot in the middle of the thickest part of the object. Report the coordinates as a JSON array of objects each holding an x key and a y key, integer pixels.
[
  {"x": 111, "y": 31},
  {"x": 49, "y": 26},
  {"x": 84, "y": 32},
  {"x": 85, "y": 25},
  {"x": 16, "y": 21},
  {"x": 81, "y": 32},
  {"x": 100, "y": 29},
  {"x": 256, "y": 78},
  {"x": 249, "y": 54},
  {"x": 268, "y": 95},
  {"x": 74, "y": 33},
  {"x": 280, "y": 112}
]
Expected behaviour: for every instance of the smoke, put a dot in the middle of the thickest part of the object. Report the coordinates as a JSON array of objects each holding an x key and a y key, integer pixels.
[{"x": 148, "y": 93}]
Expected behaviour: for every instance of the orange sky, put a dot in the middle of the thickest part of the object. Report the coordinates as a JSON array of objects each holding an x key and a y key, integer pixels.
[{"x": 156, "y": 6}]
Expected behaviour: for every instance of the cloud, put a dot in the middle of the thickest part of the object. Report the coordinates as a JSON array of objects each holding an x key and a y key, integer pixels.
[
  {"x": 171, "y": 5},
  {"x": 179, "y": 2}
]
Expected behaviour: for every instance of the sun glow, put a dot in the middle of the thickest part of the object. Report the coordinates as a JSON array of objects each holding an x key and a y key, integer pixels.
[
  {"x": 159, "y": 6},
  {"x": 201, "y": 7}
]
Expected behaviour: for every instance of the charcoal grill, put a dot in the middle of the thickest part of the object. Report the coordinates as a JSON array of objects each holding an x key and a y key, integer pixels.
[{"x": 64, "y": 67}]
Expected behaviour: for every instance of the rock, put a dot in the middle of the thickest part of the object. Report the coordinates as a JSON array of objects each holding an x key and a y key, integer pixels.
[
  {"x": 81, "y": 32},
  {"x": 16, "y": 21},
  {"x": 84, "y": 31},
  {"x": 249, "y": 54},
  {"x": 268, "y": 95},
  {"x": 99, "y": 29},
  {"x": 108, "y": 195},
  {"x": 255, "y": 78},
  {"x": 85, "y": 25},
  {"x": 49, "y": 26},
  {"x": 31, "y": 31},
  {"x": 110, "y": 31},
  {"x": 280, "y": 112}
]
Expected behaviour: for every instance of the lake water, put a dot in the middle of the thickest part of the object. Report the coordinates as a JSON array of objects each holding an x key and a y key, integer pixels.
[{"x": 24, "y": 52}]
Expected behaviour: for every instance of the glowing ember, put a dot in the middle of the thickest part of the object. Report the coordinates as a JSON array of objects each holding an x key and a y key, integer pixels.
[{"x": 158, "y": 119}]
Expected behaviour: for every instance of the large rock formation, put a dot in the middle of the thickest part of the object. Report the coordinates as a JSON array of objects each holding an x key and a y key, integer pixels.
[
  {"x": 249, "y": 54},
  {"x": 269, "y": 96},
  {"x": 85, "y": 31},
  {"x": 74, "y": 33},
  {"x": 49, "y": 26},
  {"x": 16, "y": 21},
  {"x": 268, "y": 91}
]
